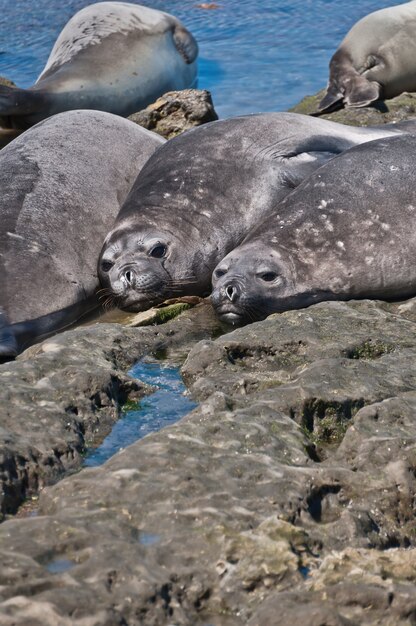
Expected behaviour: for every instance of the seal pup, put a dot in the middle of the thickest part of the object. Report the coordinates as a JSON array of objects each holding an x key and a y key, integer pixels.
[
  {"x": 63, "y": 182},
  {"x": 201, "y": 193},
  {"x": 111, "y": 56},
  {"x": 376, "y": 59},
  {"x": 347, "y": 232}
]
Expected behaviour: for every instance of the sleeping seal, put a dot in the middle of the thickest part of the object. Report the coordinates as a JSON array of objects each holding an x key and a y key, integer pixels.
[
  {"x": 346, "y": 232},
  {"x": 111, "y": 56},
  {"x": 201, "y": 193},
  {"x": 62, "y": 184},
  {"x": 375, "y": 60}
]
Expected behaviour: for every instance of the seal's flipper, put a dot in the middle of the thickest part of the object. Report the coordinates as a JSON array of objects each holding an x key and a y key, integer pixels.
[
  {"x": 360, "y": 92},
  {"x": 8, "y": 344},
  {"x": 15, "y": 101},
  {"x": 185, "y": 44}
]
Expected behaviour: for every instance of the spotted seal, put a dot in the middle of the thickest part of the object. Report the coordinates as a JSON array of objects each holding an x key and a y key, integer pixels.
[
  {"x": 345, "y": 233},
  {"x": 200, "y": 194},
  {"x": 111, "y": 56},
  {"x": 63, "y": 182},
  {"x": 376, "y": 59}
]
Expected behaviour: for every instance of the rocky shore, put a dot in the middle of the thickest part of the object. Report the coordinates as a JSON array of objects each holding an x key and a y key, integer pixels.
[{"x": 287, "y": 496}]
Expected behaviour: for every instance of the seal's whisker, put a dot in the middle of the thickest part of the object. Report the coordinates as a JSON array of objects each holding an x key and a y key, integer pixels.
[
  {"x": 109, "y": 304},
  {"x": 253, "y": 312}
]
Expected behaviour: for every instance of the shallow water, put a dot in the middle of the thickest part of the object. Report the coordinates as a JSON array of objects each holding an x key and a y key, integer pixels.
[
  {"x": 163, "y": 407},
  {"x": 254, "y": 56}
]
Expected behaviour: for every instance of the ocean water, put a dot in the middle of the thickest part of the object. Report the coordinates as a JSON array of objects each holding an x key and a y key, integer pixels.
[{"x": 262, "y": 55}]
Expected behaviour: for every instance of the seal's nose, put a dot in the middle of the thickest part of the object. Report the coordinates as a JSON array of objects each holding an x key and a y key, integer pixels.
[{"x": 231, "y": 292}]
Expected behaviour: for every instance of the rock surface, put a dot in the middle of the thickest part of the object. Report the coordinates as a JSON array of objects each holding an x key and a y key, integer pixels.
[
  {"x": 286, "y": 497},
  {"x": 63, "y": 395},
  {"x": 177, "y": 111}
]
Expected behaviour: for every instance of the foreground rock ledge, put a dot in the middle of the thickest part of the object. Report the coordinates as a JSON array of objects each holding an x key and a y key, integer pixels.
[
  {"x": 286, "y": 497},
  {"x": 64, "y": 395}
]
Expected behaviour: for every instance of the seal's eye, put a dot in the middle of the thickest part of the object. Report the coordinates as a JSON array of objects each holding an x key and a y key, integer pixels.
[
  {"x": 159, "y": 251},
  {"x": 218, "y": 273},
  {"x": 106, "y": 266},
  {"x": 268, "y": 277}
]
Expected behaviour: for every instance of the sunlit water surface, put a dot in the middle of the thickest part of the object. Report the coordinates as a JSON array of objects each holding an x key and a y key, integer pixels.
[{"x": 255, "y": 56}]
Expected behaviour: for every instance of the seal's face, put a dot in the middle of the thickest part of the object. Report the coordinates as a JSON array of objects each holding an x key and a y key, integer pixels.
[
  {"x": 249, "y": 284},
  {"x": 134, "y": 269}
]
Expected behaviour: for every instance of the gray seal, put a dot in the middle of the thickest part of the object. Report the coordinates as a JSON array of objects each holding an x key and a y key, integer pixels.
[
  {"x": 345, "y": 233},
  {"x": 111, "y": 56},
  {"x": 201, "y": 193},
  {"x": 376, "y": 60},
  {"x": 63, "y": 182}
]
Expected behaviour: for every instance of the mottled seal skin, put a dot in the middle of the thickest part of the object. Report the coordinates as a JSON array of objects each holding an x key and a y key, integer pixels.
[
  {"x": 111, "y": 56},
  {"x": 376, "y": 60},
  {"x": 201, "y": 193},
  {"x": 63, "y": 182},
  {"x": 347, "y": 232}
]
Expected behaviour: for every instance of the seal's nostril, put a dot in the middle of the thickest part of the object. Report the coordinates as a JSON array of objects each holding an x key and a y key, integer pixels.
[
  {"x": 128, "y": 276},
  {"x": 231, "y": 292}
]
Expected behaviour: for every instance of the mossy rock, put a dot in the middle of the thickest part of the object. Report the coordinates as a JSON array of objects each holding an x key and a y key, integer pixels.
[{"x": 402, "y": 107}]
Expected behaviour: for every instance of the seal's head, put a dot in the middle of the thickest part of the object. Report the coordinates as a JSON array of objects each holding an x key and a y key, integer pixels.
[
  {"x": 141, "y": 267},
  {"x": 250, "y": 283}
]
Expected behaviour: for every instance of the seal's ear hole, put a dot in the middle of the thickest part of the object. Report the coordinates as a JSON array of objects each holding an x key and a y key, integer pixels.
[
  {"x": 159, "y": 251},
  {"x": 218, "y": 273},
  {"x": 106, "y": 266},
  {"x": 268, "y": 277}
]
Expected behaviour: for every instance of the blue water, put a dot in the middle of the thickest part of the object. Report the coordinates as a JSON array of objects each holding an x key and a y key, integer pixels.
[
  {"x": 260, "y": 55},
  {"x": 59, "y": 566},
  {"x": 162, "y": 408}
]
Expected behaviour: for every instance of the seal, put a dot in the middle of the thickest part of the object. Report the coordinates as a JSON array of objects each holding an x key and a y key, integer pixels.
[
  {"x": 201, "y": 193},
  {"x": 345, "y": 233},
  {"x": 59, "y": 198},
  {"x": 375, "y": 60},
  {"x": 111, "y": 56}
]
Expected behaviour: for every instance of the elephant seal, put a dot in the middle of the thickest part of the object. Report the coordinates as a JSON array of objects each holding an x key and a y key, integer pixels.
[
  {"x": 63, "y": 182},
  {"x": 376, "y": 59},
  {"x": 347, "y": 232},
  {"x": 201, "y": 193},
  {"x": 111, "y": 56}
]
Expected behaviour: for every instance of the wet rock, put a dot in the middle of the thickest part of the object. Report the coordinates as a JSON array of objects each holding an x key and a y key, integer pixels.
[
  {"x": 177, "y": 111},
  {"x": 7, "y": 82},
  {"x": 402, "y": 107},
  {"x": 286, "y": 497},
  {"x": 64, "y": 395}
]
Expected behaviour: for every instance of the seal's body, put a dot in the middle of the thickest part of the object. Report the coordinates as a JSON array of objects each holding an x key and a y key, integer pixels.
[
  {"x": 346, "y": 232},
  {"x": 111, "y": 56},
  {"x": 201, "y": 193},
  {"x": 62, "y": 184},
  {"x": 375, "y": 60}
]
